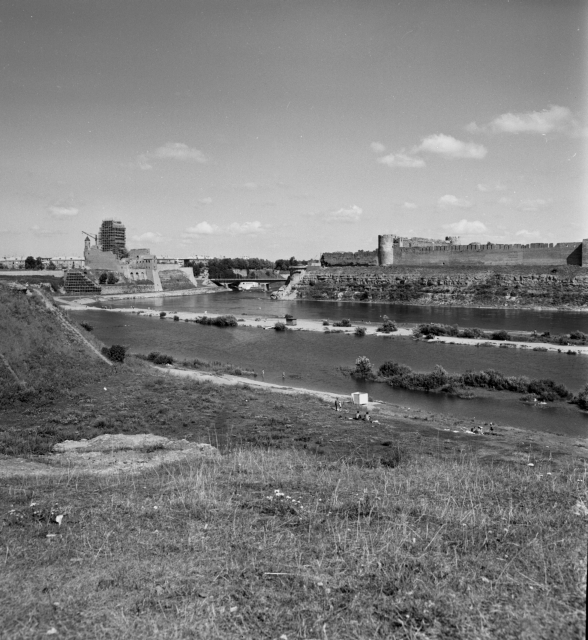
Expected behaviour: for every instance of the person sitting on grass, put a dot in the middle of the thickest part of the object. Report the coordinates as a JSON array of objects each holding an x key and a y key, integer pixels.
[
  {"x": 357, "y": 415},
  {"x": 367, "y": 417}
]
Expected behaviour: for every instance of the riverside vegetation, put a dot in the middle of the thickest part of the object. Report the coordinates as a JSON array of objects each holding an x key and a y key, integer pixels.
[{"x": 309, "y": 525}]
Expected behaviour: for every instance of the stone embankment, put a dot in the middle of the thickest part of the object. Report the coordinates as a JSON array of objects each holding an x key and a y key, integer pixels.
[{"x": 555, "y": 287}]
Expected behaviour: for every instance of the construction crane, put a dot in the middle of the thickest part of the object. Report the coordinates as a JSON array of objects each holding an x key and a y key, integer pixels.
[{"x": 91, "y": 236}]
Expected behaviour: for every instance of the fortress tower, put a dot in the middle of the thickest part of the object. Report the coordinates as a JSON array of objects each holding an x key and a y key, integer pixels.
[{"x": 386, "y": 249}]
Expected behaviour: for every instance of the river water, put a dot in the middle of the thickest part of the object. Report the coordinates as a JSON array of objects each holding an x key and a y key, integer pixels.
[{"x": 312, "y": 360}]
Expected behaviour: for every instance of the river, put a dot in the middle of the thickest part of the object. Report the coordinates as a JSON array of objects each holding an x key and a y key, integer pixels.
[{"x": 312, "y": 360}]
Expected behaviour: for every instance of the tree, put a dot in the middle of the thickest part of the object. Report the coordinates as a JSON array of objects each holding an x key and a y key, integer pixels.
[
  {"x": 51, "y": 266},
  {"x": 30, "y": 262},
  {"x": 103, "y": 278},
  {"x": 112, "y": 279}
]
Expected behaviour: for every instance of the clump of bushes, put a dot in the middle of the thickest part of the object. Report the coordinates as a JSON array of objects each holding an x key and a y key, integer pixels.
[
  {"x": 219, "y": 321},
  {"x": 326, "y": 323},
  {"x": 87, "y": 326},
  {"x": 582, "y": 399},
  {"x": 160, "y": 358},
  {"x": 176, "y": 318},
  {"x": 344, "y": 322},
  {"x": 162, "y": 314},
  {"x": 387, "y": 326},
  {"x": 280, "y": 326},
  {"x": 360, "y": 331},
  {"x": 500, "y": 335},
  {"x": 115, "y": 353}
]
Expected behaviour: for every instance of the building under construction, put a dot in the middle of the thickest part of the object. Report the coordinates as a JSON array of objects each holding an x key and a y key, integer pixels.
[{"x": 112, "y": 237}]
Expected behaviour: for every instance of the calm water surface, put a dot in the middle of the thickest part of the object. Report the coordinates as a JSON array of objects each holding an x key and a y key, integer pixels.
[{"x": 313, "y": 360}]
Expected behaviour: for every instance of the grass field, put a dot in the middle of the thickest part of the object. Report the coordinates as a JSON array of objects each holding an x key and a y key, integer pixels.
[{"x": 308, "y": 525}]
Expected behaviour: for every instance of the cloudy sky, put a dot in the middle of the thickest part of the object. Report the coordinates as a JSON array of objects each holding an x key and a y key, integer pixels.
[{"x": 274, "y": 128}]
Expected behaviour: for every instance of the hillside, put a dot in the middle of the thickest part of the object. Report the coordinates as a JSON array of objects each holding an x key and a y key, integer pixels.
[{"x": 42, "y": 354}]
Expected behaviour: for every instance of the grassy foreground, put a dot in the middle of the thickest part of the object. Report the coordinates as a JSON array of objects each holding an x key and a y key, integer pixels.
[
  {"x": 308, "y": 525},
  {"x": 432, "y": 548}
]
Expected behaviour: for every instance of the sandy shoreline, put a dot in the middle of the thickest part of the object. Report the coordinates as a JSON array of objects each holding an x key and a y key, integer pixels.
[{"x": 268, "y": 323}]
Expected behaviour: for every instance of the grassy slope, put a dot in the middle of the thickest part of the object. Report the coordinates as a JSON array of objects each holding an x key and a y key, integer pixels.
[
  {"x": 46, "y": 359},
  {"x": 395, "y": 534}
]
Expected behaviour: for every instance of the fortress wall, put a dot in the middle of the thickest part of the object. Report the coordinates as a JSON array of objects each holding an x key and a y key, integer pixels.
[
  {"x": 350, "y": 259},
  {"x": 496, "y": 255}
]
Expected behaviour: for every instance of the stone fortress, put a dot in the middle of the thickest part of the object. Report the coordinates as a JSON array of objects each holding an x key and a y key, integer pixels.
[{"x": 394, "y": 250}]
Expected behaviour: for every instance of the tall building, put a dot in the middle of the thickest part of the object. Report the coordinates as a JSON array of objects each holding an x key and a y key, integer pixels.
[{"x": 112, "y": 237}]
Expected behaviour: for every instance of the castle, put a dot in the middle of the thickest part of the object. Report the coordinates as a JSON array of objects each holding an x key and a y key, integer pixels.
[{"x": 394, "y": 250}]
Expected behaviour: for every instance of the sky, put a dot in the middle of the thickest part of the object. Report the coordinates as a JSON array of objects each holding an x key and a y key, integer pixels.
[{"x": 273, "y": 128}]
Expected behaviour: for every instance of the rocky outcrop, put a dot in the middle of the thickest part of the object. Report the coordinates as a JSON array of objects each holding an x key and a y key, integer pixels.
[{"x": 562, "y": 286}]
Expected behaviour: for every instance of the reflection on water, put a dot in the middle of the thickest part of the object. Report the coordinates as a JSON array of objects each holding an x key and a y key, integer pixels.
[{"x": 313, "y": 360}]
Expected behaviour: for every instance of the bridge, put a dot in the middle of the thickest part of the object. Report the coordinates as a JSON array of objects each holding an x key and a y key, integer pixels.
[{"x": 263, "y": 283}]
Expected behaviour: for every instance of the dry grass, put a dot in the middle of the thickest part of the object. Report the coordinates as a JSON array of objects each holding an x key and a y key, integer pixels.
[{"x": 431, "y": 549}]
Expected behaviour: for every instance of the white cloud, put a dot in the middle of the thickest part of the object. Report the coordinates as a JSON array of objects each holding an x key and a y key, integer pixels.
[
  {"x": 466, "y": 228},
  {"x": 450, "y": 147},
  {"x": 235, "y": 229},
  {"x": 171, "y": 151},
  {"x": 345, "y": 214},
  {"x": 63, "y": 211},
  {"x": 505, "y": 202},
  {"x": 533, "y": 204},
  {"x": 377, "y": 147},
  {"x": 179, "y": 151},
  {"x": 246, "y": 228},
  {"x": 148, "y": 237},
  {"x": 409, "y": 205},
  {"x": 449, "y": 200},
  {"x": 528, "y": 235},
  {"x": 205, "y": 201},
  {"x": 555, "y": 119},
  {"x": 496, "y": 186},
  {"x": 402, "y": 160},
  {"x": 201, "y": 229}
]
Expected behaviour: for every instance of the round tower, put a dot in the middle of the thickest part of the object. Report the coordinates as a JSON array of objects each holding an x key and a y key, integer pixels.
[{"x": 386, "y": 249}]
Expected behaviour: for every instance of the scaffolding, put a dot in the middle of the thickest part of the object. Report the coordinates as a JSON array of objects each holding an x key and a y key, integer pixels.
[
  {"x": 112, "y": 237},
  {"x": 77, "y": 282}
]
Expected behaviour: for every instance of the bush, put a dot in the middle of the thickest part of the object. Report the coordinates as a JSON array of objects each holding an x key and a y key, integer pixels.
[
  {"x": 388, "y": 326},
  {"x": 162, "y": 314},
  {"x": 103, "y": 278},
  {"x": 176, "y": 318},
  {"x": 345, "y": 322},
  {"x": 360, "y": 331},
  {"x": 582, "y": 398},
  {"x": 280, "y": 326},
  {"x": 363, "y": 369},
  {"x": 500, "y": 335},
  {"x": 160, "y": 358},
  {"x": 325, "y": 323},
  {"x": 578, "y": 335},
  {"x": 87, "y": 326},
  {"x": 289, "y": 316},
  {"x": 112, "y": 279},
  {"x": 219, "y": 321},
  {"x": 390, "y": 369},
  {"x": 116, "y": 353}
]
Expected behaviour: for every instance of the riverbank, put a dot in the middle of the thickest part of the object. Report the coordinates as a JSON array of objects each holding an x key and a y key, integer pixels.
[{"x": 266, "y": 322}]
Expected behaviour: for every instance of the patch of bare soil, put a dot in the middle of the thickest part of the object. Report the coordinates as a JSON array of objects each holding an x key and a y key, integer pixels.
[{"x": 108, "y": 454}]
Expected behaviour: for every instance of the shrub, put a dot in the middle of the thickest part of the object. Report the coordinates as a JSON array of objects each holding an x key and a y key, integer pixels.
[
  {"x": 578, "y": 335},
  {"x": 87, "y": 326},
  {"x": 582, "y": 398},
  {"x": 345, "y": 322},
  {"x": 472, "y": 333},
  {"x": 325, "y": 323},
  {"x": 363, "y": 369},
  {"x": 103, "y": 278},
  {"x": 112, "y": 279},
  {"x": 280, "y": 326},
  {"x": 360, "y": 331},
  {"x": 160, "y": 358},
  {"x": 289, "y": 316},
  {"x": 176, "y": 318},
  {"x": 500, "y": 335},
  {"x": 219, "y": 321},
  {"x": 388, "y": 326},
  {"x": 116, "y": 353},
  {"x": 162, "y": 314},
  {"x": 390, "y": 369}
]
